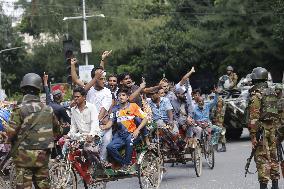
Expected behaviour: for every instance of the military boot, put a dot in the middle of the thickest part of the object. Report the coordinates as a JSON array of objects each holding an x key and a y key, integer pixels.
[
  {"x": 263, "y": 186},
  {"x": 274, "y": 184},
  {"x": 223, "y": 149}
]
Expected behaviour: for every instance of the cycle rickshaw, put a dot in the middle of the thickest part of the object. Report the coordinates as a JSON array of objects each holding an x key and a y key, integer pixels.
[
  {"x": 146, "y": 165},
  {"x": 174, "y": 149}
]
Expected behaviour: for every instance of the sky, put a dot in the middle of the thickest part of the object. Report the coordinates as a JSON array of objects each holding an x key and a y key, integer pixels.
[{"x": 8, "y": 7}]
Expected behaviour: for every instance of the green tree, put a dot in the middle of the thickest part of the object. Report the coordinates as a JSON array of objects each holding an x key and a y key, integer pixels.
[{"x": 9, "y": 60}]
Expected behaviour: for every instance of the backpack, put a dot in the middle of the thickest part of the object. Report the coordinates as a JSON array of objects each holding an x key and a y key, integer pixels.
[{"x": 269, "y": 105}]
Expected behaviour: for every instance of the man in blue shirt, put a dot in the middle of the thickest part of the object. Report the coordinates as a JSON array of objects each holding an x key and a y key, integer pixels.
[
  {"x": 201, "y": 114},
  {"x": 162, "y": 109}
]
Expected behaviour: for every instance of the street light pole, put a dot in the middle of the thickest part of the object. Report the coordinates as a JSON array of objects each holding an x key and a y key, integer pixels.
[
  {"x": 85, "y": 29},
  {"x": 84, "y": 17}
]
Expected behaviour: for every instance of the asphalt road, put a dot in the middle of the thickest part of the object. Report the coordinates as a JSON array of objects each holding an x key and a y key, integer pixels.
[{"x": 227, "y": 174}]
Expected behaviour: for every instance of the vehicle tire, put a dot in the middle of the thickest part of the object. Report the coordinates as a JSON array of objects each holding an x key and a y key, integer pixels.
[
  {"x": 234, "y": 133},
  {"x": 197, "y": 160},
  {"x": 62, "y": 176},
  {"x": 150, "y": 171}
]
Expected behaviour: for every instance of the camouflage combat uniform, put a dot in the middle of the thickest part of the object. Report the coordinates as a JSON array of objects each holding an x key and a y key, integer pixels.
[
  {"x": 281, "y": 114},
  {"x": 32, "y": 156},
  {"x": 266, "y": 154},
  {"x": 219, "y": 114}
]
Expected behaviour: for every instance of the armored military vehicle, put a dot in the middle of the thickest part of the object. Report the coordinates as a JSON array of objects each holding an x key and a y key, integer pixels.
[{"x": 236, "y": 102}]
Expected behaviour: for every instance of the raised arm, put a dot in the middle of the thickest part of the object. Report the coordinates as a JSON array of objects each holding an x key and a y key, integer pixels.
[
  {"x": 186, "y": 76},
  {"x": 136, "y": 93},
  {"x": 214, "y": 102},
  {"x": 46, "y": 89},
  {"x": 98, "y": 74},
  {"x": 189, "y": 99},
  {"x": 74, "y": 75},
  {"x": 104, "y": 58}
]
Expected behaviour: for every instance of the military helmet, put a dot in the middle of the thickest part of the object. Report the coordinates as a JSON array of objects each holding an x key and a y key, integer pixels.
[
  {"x": 259, "y": 73},
  {"x": 33, "y": 80},
  {"x": 230, "y": 68}
]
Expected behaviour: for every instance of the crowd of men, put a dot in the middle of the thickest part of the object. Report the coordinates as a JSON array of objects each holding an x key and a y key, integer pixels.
[{"x": 118, "y": 111}]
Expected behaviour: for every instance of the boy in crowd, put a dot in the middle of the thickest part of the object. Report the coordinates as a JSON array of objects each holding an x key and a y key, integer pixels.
[{"x": 129, "y": 120}]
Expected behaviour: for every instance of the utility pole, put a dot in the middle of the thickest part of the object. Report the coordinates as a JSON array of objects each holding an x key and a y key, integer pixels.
[
  {"x": 85, "y": 29},
  {"x": 85, "y": 44}
]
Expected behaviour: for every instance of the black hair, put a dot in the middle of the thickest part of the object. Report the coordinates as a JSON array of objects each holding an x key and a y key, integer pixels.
[
  {"x": 93, "y": 72},
  {"x": 123, "y": 75},
  {"x": 123, "y": 90},
  {"x": 80, "y": 90},
  {"x": 57, "y": 97},
  {"x": 196, "y": 91},
  {"x": 112, "y": 75}
]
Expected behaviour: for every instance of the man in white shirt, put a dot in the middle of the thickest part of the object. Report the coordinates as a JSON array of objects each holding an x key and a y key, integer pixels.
[
  {"x": 98, "y": 95},
  {"x": 84, "y": 116},
  {"x": 101, "y": 97}
]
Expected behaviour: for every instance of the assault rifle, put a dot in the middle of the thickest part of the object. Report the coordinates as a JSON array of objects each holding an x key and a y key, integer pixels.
[
  {"x": 249, "y": 161},
  {"x": 258, "y": 138}
]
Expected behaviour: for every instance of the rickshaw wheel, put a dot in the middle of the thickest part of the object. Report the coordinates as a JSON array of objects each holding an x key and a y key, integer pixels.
[
  {"x": 62, "y": 176},
  {"x": 197, "y": 160},
  {"x": 150, "y": 172},
  {"x": 209, "y": 155}
]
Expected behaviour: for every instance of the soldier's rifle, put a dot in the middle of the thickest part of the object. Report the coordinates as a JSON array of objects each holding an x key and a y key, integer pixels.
[
  {"x": 249, "y": 161},
  {"x": 258, "y": 137}
]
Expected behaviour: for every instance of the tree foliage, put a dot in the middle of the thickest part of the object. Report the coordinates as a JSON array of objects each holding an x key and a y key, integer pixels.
[{"x": 154, "y": 37}]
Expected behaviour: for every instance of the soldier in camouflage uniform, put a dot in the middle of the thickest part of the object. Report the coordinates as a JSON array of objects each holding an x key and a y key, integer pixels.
[
  {"x": 279, "y": 92},
  {"x": 218, "y": 119},
  {"x": 34, "y": 122},
  {"x": 262, "y": 126},
  {"x": 233, "y": 77}
]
